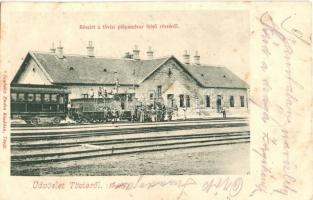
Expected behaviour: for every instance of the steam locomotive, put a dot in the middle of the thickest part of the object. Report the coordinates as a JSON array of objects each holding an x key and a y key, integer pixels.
[{"x": 109, "y": 108}]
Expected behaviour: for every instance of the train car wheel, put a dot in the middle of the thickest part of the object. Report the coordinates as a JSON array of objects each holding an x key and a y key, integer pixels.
[
  {"x": 34, "y": 121},
  {"x": 29, "y": 122}
]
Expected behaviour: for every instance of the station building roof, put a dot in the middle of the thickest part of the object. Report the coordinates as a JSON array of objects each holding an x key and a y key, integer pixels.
[{"x": 81, "y": 69}]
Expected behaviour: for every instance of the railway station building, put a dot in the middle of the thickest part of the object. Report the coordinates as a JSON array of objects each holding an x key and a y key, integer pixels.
[{"x": 195, "y": 89}]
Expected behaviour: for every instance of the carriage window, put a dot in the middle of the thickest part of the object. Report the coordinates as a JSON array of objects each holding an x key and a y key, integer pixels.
[
  {"x": 13, "y": 96},
  {"x": 231, "y": 101},
  {"x": 38, "y": 97},
  {"x": 130, "y": 97},
  {"x": 30, "y": 97},
  {"x": 21, "y": 97},
  {"x": 187, "y": 101},
  {"x": 85, "y": 96},
  {"x": 122, "y": 105},
  {"x": 47, "y": 97},
  {"x": 54, "y": 98},
  {"x": 61, "y": 99}
]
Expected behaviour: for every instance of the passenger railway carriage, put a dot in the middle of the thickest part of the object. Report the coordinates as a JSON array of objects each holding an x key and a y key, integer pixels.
[{"x": 39, "y": 103}]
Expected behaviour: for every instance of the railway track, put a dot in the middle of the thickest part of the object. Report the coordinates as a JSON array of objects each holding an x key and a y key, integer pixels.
[
  {"x": 81, "y": 134},
  {"x": 73, "y": 126},
  {"x": 36, "y": 148},
  {"x": 115, "y": 140},
  {"x": 101, "y": 127},
  {"x": 139, "y": 145}
]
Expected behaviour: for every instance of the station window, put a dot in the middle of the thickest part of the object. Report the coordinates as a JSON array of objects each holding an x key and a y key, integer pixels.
[
  {"x": 151, "y": 96},
  {"x": 47, "y": 97},
  {"x": 170, "y": 100},
  {"x": 231, "y": 101},
  {"x": 13, "y": 96},
  {"x": 30, "y": 97},
  {"x": 181, "y": 100},
  {"x": 187, "y": 101},
  {"x": 207, "y": 101},
  {"x": 85, "y": 96},
  {"x": 21, "y": 96},
  {"x": 159, "y": 90},
  {"x": 54, "y": 97},
  {"x": 242, "y": 101},
  {"x": 38, "y": 97}
]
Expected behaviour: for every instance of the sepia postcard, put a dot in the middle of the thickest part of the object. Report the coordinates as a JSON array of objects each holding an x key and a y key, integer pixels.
[{"x": 159, "y": 100}]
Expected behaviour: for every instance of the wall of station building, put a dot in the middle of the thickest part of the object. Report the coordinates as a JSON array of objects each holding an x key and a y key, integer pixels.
[
  {"x": 239, "y": 102},
  {"x": 33, "y": 75}
]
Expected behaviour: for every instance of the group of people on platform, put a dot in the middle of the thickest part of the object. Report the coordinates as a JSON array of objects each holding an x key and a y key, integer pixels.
[
  {"x": 136, "y": 112},
  {"x": 153, "y": 113},
  {"x": 139, "y": 113}
]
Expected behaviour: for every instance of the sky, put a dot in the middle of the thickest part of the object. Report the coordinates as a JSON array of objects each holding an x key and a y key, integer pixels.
[{"x": 220, "y": 36}]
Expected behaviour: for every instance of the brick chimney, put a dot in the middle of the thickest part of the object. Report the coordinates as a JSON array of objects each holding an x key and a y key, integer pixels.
[
  {"x": 136, "y": 53},
  {"x": 52, "y": 50},
  {"x": 186, "y": 58},
  {"x": 90, "y": 49},
  {"x": 150, "y": 53},
  {"x": 60, "y": 51},
  {"x": 196, "y": 58},
  {"x": 127, "y": 55}
]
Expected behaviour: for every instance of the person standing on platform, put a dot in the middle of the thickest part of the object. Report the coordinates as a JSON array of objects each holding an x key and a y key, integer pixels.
[
  {"x": 224, "y": 113},
  {"x": 142, "y": 115}
]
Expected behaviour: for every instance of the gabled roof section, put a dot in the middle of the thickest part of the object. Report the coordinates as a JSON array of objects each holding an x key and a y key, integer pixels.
[
  {"x": 23, "y": 66},
  {"x": 209, "y": 76},
  {"x": 178, "y": 62},
  {"x": 78, "y": 69},
  {"x": 216, "y": 77}
]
